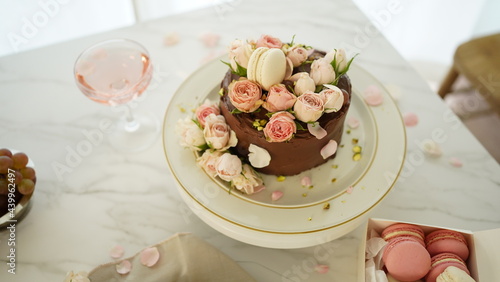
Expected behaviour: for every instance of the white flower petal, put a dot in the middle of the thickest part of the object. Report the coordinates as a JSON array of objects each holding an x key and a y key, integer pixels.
[
  {"x": 124, "y": 267},
  {"x": 258, "y": 157},
  {"x": 431, "y": 148},
  {"x": 316, "y": 130},
  {"x": 329, "y": 149},
  {"x": 150, "y": 256}
]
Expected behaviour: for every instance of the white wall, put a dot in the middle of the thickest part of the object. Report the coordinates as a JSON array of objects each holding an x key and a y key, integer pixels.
[{"x": 429, "y": 30}]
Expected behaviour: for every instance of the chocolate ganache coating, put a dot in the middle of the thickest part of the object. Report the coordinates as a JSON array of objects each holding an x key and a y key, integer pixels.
[{"x": 300, "y": 153}]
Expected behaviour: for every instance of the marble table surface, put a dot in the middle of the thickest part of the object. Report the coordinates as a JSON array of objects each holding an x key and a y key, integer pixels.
[{"x": 107, "y": 197}]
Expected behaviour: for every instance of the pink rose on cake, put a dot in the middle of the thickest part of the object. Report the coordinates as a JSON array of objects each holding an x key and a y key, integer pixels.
[
  {"x": 297, "y": 54},
  {"x": 303, "y": 83},
  {"x": 203, "y": 111},
  {"x": 280, "y": 127},
  {"x": 191, "y": 135},
  {"x": 269, "y": 42},
  {"x": 322, "y": 71},
  {"x": 218, "y": 134},
  {"x": 239, "y": 52},
  {"x": 245, "y": 95},
  {"x": 208, "y": 161},
  {"x": 248, "y": 181},
  {"x": 309, "y": 107},
  {"x": 333, "y": 98},
  {"x": 228, "y": 166},
  {"x": 279, "y": 99}
]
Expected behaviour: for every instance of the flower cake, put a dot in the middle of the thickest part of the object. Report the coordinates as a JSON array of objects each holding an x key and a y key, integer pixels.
[
  {"x": 281, "y": 111},
  {"x": 293, "y": 106}
]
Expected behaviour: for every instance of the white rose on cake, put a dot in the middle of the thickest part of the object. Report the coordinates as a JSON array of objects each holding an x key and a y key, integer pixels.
[{"x": 190, "y": 133}]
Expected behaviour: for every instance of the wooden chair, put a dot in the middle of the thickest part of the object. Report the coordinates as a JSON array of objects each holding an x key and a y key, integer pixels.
[{"x": 479, "y": 61}]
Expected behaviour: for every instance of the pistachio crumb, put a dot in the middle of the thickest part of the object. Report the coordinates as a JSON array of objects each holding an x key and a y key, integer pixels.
[
  {"x": 357, "y": 149},
  {"x": 356, "y": 157},
  {"x": 355, "y": 140},
  {"x": 304, "y": 194},
  {"x": 334, "y": 179},
  {"x": 335, "y": 166},
  {"x": 348, "y": 131},
  {"x": 326, "y": 206},
  {"x": 281, "y": 178},
  {"x": 309, "y": 219}
]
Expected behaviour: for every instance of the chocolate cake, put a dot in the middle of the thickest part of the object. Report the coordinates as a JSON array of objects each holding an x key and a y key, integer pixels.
[{"x": 300, "y": 153}]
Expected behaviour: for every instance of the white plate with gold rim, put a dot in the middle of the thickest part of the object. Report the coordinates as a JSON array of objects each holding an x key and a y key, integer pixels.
[{"x": 299, "y": 218}]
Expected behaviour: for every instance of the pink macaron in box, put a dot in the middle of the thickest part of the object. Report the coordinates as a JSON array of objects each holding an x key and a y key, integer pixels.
[{"x": 405, "y": 251}]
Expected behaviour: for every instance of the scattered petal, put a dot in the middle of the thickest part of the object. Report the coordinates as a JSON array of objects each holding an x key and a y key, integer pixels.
[
  {"x": 456, "y": 162},
  {"x": 373, "y": 96},
  {"x": 431, "y": 148},
  {"x": 76, "y": 277},
  {"x": 117, "y": 252},
  {"x": 329, "y": 149},
  {"x": 124, "y": 267},
  {"x": 171, "y": 39},
  {"x": 210, "y": 39},
  {"x": 306, "y": 181},
  {"x": 316, "y": 130},
  {"x": 258, "y": 157},
  {"x": 276, "y": 195},
  {"x": 321, "y": 268},
  {"x": 410, "y": 119},
  {"x": 353, "y": 122},
  {"x": 349, "y": 189},
  {"x": 150, "y": 256}
]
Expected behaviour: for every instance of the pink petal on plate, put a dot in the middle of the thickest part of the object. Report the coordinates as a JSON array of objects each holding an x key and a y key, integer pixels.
[
  {"x": 353, "y": 122},
  {"x": 117, "y": 252},
  {"x": 306, "y": 181},
  {"x": 210, "y": 39},
  {"x": 373, "y": 96},
  {"x": 316, "y": 130},
  {"x": 349, "y": 189},
  {"x": 329, "y": 149},
  {"x": 150, "y": 256},
  {"x": 276, "y": 195},
  {"x": 410, "y": 119},
  {"x": 321, "y": 268},
  {"x": 124, "y": 267},
  {"x": 456, "y": 162},
  {"x": 171, "y": 39}
]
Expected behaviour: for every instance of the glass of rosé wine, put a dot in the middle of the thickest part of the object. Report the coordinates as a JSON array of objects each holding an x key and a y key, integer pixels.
[{"x": 115, "y": 72}]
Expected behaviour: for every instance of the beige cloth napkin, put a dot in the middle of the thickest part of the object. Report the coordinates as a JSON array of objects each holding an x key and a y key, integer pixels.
[{"x": 183, "y": 257}]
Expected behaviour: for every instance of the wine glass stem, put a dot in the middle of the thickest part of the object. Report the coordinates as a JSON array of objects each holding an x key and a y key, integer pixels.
[{"x": 132, "y": 124}]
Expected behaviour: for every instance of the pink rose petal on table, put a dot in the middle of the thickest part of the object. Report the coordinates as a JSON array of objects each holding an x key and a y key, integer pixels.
[
  {"x": 353, "y": 122},
  {"x": 276, "y": 195},
  {"x": 171, "y": 39},
  {"x": 306, "y": 181},
  {"x": 410, "y": 119},
  {"x": 456, "y": 162},
  {"x": 124, "y": 267},
  {"x": 210, "y": 39},
  {"x": 373, "y": 96},
  {"x": 316, "y": 130},
  {"x": 117, "y": 252},
  {"x": 349, "y": 189},
  {"x": 150, "y": 256},
  {"x": 329, "y": 149},
  {"x": 321, "y": 268}
]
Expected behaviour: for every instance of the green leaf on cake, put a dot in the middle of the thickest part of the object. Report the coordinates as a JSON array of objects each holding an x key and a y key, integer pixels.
[
  {"x": 299, "y": 126},
  {"x": 241, "y": 71},
  {"x": 236, "y": 111}
]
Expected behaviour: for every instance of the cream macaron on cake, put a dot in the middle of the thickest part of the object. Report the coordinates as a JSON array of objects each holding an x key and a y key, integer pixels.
[{"x": 267, "y": 67}]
